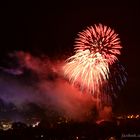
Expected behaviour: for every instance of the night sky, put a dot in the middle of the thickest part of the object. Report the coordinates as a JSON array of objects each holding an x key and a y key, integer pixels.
[{"x": 43, "y": 29}]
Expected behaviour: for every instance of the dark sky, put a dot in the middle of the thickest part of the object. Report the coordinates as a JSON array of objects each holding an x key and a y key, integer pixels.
[{"x": 51, "y": 29}]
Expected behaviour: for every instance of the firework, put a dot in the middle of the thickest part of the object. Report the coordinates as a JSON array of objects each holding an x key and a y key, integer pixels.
[
  {"x": 85, "y": 71},
  {"x": 99, "y": 40},
  {"x": 117, "y": 78},
  {"x": 96, "y": 48}
]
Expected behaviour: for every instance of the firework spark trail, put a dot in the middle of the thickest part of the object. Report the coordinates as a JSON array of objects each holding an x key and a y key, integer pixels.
[
  {"x": 117, "y": 77},
  {"x": 82, "y": 68},
  {"x": 96, "y": 49}
]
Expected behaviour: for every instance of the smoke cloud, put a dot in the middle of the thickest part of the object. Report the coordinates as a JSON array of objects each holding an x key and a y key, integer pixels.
[{"x": 40, "y": 87}]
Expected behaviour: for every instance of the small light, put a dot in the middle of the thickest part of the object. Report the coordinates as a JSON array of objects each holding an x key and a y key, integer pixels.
[{"x": 77, "y": 138}]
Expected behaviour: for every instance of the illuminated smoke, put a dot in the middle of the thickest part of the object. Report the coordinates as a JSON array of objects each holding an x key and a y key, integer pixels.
[{"x": 42, "y": 85}]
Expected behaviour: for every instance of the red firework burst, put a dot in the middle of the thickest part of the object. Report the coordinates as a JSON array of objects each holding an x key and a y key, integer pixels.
[{"x": 99, "y": 39}]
